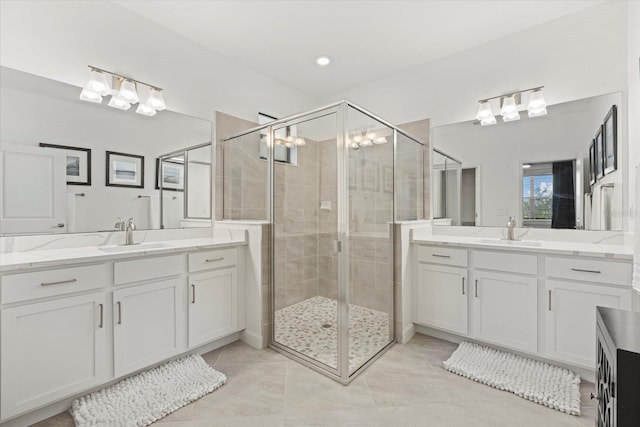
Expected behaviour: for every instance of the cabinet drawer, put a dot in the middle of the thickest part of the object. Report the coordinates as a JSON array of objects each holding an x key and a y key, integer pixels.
[
  {"x": 148, "y": 269},
  {"x": 506, "y": 261},
  {"x": 615, "y": 273},
  {"x": 212, "y": 259},
  {"x": 439, "y": 255},
  {"x": 40, "y": 284}
]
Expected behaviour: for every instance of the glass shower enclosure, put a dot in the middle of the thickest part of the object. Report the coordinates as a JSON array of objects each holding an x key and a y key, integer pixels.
[{"x": 338, "y": 179}]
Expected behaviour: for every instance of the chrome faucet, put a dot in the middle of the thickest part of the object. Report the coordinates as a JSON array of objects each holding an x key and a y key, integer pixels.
[
  {"x": 511, "y": 224},
  {"x": 119, "y": 224},
  {"x": 130, "y": 228}
]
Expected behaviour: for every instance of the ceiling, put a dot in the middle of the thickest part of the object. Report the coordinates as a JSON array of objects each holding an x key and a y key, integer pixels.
[{"x": 366, "y": 40}]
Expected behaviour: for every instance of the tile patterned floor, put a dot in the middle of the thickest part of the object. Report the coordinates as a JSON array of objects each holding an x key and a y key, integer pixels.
[
  {"x": 310, "y": 326},
  {"x": 407, "y": 386}
]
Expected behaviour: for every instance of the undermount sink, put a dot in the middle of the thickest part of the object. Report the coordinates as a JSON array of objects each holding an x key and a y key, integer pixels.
[
  {"x": 511, "y": 242},
  {"x": 134, "y": 247}
]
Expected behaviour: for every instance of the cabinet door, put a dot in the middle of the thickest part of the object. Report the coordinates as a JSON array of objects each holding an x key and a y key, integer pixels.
[
  {"x": 571, "y": 318},
  {"x": 505, "y": 309},
  {"x": 213, "y": 305},
  {"x": 441, "y": 297},
  {"x": 146, "y": 324},
  {"x": 51, "y": 350}
]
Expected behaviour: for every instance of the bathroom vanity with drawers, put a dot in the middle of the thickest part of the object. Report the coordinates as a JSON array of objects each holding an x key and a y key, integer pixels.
[
  {"x": 81, "y": 318},
  {"x": 536, "y": 298}
]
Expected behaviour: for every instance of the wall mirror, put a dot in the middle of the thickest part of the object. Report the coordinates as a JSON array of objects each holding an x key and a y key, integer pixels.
[
  {"x": 561, "y": 170},
  {"x": 72, "y": 166}
]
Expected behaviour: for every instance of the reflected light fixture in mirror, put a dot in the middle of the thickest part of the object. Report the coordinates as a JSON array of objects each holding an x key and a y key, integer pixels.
[{"x": 124, "y": 93}]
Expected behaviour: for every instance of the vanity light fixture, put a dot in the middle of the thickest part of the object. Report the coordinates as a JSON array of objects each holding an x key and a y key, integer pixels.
[
  {"x": 509, "y": 106},
  {"x": 123, "y": 91},
  {"x": 365, "y": 139}
]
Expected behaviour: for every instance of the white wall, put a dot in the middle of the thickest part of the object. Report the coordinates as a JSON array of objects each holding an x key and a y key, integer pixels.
[
  {"x": 564, "y": 134},
  {"x": 58, "y": 39}
]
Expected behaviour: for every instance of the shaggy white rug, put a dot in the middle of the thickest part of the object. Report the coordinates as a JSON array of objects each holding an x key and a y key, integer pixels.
[
  {"x": 145, "y": 398},
  {"x": 548, "y": 385}
]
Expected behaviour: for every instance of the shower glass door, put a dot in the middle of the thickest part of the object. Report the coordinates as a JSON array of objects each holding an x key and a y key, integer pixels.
[
  {"x": 370, "y": 200},
  {"x": 305, "y": 238}
]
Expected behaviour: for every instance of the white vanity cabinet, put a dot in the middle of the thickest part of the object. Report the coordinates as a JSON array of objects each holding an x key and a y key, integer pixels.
[
  {"x": 213, "y": 296},
  {"x": 573, "y": 290},
  {"x": 503, "y": 300},
  {"x": 51, "y": 349},
  {"x": 147, "y": 326},
  {"x": 441, "y": 290}
]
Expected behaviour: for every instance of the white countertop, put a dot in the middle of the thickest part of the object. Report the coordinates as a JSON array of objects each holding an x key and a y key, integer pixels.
[
  {"x": 600, "y": 250},
  {"x": 17, "y": 261}
]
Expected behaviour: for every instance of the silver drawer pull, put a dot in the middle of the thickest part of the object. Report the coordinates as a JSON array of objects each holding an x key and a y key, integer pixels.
[
  {"x": 193, "y": 300},
  {"x": 101, "y": 315},
  {"x": 441, "y": 256},
  {"x": 214, "y": 259},
  {"x": 586, "y": 271},
  {"x": 119, "y": 304},
  {"x": 60, "y": 282}
]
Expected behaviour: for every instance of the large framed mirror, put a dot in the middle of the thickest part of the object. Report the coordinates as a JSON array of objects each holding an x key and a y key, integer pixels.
[
  {"x": 72, "y": 166},
  {"x": 562, "y": 170}
]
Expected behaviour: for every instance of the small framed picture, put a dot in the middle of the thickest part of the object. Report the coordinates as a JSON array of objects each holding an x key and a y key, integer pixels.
[
  {"x": 125, "y": 170},
  {"x": 610, "y": 141},
  {"x": 78, "y": 163},
  {"x": 172, "y": 174},
  {"x": 592, "y": 162},
  {"x": 598, "y": 153}
]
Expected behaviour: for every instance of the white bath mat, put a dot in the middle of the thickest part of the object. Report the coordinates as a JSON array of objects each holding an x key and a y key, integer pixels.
[
  {"x": 144, "y": 398},
  {"x": 548, "y": 385}
]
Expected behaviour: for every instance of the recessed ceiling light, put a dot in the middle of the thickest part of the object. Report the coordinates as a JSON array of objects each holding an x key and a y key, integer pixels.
[{"x": 323, "y": 61}]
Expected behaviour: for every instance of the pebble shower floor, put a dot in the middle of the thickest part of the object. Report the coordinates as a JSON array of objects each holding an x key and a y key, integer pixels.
[{"x": 310, "y": 327}]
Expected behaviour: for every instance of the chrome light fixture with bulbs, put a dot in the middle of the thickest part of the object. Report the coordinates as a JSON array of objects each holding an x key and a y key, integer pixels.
[
  {"x": 536, "y": 107},
  {"x": 123, "y": 91}
]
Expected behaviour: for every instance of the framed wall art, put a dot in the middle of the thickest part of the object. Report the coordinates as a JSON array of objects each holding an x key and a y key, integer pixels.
[
  {"x": 610, "y": 141},
  {"x": 78, "y": 163},
  {"x": 124, "y": 170},
  {"x": 171, "y": 174}
]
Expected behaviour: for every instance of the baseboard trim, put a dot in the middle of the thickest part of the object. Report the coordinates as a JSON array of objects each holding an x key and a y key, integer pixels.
[
  {"x": 252, "y": 339},
  {"x": 63, "y": 405},
  {"x": 408, "y": 332}
]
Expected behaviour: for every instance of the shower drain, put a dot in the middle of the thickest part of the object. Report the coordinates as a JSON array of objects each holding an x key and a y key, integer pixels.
[{"x": 326, "y": 325}]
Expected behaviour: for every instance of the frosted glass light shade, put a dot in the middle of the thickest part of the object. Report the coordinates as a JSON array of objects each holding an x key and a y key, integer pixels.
[
  {"x": 484, "y": 111},
  {"x": 90, "y": 96},
  {"x": 128, "y": 92},
  {"x": 380, "y": 140},
  {"x": 300, "y": 141},
  {"x": 536, "y": 101},
  {"x": 511, "y": 117},
  {"x": 538, "y": 113},
  {"x": 366, "y": 142},
  {"x": 119, "y": 103},
  {"x": 145, "y": 110},
  {"x": 156, "y": 100},
  {"x": 509, "y": 107},
  {"x": 488, "y": 121},
  {"x": 98, "y": 83}
]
